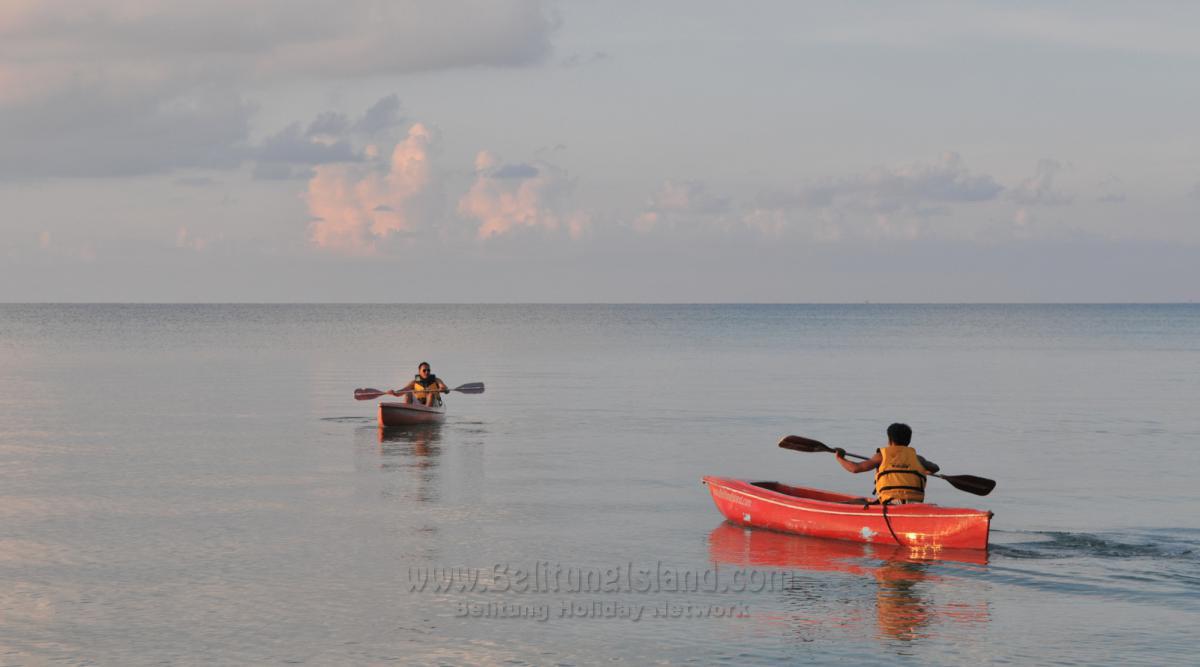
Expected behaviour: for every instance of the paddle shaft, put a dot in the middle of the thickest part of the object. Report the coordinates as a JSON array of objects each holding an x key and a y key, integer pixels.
[
  {"x": 393, "y": 392},
  {"x": 861, "y": 457},
  {"x": 980, "y": 486},
  {"x": 368, "y": 394}
]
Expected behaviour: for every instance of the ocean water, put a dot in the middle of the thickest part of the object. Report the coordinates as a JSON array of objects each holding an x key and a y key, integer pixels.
[{"x": 196, "y": 484}]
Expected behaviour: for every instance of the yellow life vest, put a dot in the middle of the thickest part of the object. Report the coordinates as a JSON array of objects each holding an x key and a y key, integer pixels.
[
  {"x": 900, "y": 476},
  {"x": 419, "y": 390}
]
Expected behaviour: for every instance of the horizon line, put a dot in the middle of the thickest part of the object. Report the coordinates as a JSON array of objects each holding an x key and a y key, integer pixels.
[{"x": 598, "y": 303}]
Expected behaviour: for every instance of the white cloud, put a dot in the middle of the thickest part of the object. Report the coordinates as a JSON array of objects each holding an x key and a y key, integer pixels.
[
  {"x": 1039, "y": 189},
  {"x": 1112, "y": 191},
  {"x": 682, "y": 203},
  {"x": 880, "y": 203},
  {"x": 919, "y": 188},
  {"x": 127, "y": 87}
]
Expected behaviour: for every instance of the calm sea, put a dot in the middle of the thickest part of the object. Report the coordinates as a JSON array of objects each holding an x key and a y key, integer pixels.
[{"x": 196, "y": 484}]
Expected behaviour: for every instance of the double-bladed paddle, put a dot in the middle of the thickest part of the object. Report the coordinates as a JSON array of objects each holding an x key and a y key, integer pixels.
[
  {"x": 368, "y": 393},
  {"x": 980, "y": 486}
]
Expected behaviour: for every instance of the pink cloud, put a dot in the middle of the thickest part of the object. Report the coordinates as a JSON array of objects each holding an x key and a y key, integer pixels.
[
  {"x": 679, "y": 203},
  {"x": 185, "y": 239},
  {"x": 354, "y": 207},
  {"x": 508, "y": 198}
]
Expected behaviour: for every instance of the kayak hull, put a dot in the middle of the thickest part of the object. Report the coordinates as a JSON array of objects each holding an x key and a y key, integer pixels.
[
  {"x": 405, "y": 414},
  {"x": 804, "y": 511}
]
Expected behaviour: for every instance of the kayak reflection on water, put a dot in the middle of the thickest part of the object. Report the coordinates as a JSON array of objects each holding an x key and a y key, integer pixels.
[
  {"x": 421, "y": 439},
  {"x": 905, "y": 608},
  {"x": 409, "y": 447}
]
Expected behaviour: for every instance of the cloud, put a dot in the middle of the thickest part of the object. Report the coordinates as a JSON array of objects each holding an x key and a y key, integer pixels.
[
  {"x": 196, "y": 181},
  {"x": 1100, "y": 27},
  {"x": 880, "y": 203},
  {"x": 517, "y": 171},
  {"x": 581, "y": 59},
  {"x": 1039, "y": 188},
  {"x": 918, "y": 188},
  {"x": 91, "y": 131},
  {"x": 383, "y": 116},
  {"x": 96, "y": 88},
  {"x": 678, "y": 203},
  {"x": 508, "y": 199},
  {"x": 357, "y": 206},
  {"x": 268, "y": 40},
  {"x": 329, "y": 124},
  {"x": 1112, "y": 191},
  {"x": 291, "y": 145},
  {"x": 913, "y": 186},
  {"x": 330, "y": 137},
  {"x": 279, "y": 171},
  {"x": 184, "y": 239}
]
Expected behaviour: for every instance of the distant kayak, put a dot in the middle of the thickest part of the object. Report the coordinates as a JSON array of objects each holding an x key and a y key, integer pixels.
[
  {"x": 404, "y": 414},
  {"x": 794, "y": 509}
]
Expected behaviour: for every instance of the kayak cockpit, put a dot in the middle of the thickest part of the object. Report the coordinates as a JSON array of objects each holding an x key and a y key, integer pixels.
[{"x": 805, "y": 493}]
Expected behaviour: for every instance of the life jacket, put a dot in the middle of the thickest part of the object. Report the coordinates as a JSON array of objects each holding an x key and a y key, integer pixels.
[
  {"x": 420, "y": 385},
  {"x": 900, "y": 476}
]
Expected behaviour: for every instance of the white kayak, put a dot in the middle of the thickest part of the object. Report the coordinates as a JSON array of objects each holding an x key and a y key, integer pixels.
[{"x": 403, "y": 414}]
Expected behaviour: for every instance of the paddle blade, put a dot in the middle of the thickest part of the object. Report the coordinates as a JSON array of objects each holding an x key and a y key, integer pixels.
[
  {"x": 980, "y": 486},
  {"x": 802, "y": 444},
  {"x": 367, "y": 394},
  {"x": 470, "y": 388}
]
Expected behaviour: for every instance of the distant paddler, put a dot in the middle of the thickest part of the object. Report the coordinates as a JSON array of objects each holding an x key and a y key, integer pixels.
[{"x": 425, "y": 387}]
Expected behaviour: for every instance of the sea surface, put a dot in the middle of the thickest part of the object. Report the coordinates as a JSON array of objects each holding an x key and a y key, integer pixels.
[{"x": 195, "y": 484}]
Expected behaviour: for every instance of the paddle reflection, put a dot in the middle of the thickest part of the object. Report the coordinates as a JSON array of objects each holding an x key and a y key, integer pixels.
[{"x": 901, "y": 579}]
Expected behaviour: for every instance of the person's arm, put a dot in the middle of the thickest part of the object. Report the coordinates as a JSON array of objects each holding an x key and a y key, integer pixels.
[
  {"x": 444, "y": 389},
  {"x": 405, "y": 388},
  {"x": 862, "y": 466},
  {"x": 929, "y": 466}
]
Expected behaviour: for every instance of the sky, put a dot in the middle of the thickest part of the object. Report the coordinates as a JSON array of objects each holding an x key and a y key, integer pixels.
[{"x": 522, "y": 151}]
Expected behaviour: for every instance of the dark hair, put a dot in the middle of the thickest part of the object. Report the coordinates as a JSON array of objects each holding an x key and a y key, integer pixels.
[
  {"x": 900, "y": 434},
  {"x": 426, "y": 365}
]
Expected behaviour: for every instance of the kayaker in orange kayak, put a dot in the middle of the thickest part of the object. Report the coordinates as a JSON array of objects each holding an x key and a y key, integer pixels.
[
  {"x": 425, "y": 387},
  {"x": 899, "y": 471}
]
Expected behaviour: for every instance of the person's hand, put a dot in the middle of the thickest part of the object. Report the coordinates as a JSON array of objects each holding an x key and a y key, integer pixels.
[{"x": 839, "y": 452}]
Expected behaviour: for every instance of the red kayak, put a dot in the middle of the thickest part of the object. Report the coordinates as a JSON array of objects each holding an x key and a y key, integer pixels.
[
  {"x": 794, "y": 509},
  {"x": 405, "y": 414}
]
